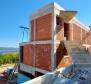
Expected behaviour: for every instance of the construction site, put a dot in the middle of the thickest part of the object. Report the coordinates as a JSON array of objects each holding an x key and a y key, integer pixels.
[
  {"x": 58, "y": 50},
  {"x": 57, "y": 41}
]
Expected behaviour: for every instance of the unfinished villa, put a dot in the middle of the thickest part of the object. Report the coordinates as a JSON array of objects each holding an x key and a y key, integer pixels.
[{"x": 57, "y": 39}]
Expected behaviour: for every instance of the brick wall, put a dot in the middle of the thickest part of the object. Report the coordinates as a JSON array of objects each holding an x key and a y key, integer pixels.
[
  {"x": 63, "y": 29},
  {"x": 32, "y": 30},
  {"x": 88, "y": 39},
  {"x": 28, "y": 54},
  {"x": 59, "y": 29},
  {"x": 76, "y": 33},
  {"x": 43, "y": 27},
  {"x": 83, "y": 35},
  {"x": 59, "y": 33},
  {"x": 43, "y": 56},
  {"x": 38, "y": 55},
  {"x": 70, "y": 32}
]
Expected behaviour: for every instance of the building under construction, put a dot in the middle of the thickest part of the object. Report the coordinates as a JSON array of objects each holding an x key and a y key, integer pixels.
[{"x": 54, "y": 34}]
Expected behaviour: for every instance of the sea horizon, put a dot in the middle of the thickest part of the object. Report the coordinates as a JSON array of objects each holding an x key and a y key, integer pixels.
[{"x": 8, "y": 49}]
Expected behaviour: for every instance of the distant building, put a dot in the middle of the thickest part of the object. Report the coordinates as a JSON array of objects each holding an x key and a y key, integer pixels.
[{"x": 50, "y": 26}]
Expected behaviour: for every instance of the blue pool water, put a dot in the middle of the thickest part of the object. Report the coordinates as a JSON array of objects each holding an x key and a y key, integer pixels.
[{"x": 22, "y": 78}]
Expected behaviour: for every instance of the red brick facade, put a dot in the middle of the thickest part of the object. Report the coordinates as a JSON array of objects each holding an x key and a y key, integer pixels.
[
  {"x": 32, "y": 31},
  {"x": 42, "y": 27},
  {"x": 83, "y": 35},
  {"x": 28, "y": 54},
  {"x": 59, "y": 29},
  {"x": 88, "y": 39},
  {"x": 60, "y": 33},
  {"x": 70, "y": 33},
  {"x": 43, "y": 56},
  {"x": 76, "y": 33},
  {"x": 40, "y": 53}
]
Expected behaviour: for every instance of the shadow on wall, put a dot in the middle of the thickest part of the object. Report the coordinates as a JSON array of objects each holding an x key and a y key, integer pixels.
[{"x": 60, "y": 52}]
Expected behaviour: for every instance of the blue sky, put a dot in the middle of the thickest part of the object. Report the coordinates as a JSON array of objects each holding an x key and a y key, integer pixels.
[{"x": 14, "y": 13}]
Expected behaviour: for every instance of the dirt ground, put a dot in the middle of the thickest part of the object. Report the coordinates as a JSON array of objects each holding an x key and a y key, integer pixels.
[
  {"x": 3, "y": 78},
  {"x": 5, "y": 66}
]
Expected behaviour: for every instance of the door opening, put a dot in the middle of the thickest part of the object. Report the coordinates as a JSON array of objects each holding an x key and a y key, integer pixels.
[{"x": 66, "y": 31}]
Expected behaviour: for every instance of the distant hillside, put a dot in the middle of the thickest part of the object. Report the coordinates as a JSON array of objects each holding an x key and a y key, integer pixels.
[{"x": 8, "y": 49}]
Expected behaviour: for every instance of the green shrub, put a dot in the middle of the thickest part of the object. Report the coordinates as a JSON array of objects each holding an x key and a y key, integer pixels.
[{"x": 8, "y": 58}]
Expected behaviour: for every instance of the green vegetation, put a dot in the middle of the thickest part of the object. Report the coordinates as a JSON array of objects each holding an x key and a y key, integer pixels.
[{"x": 8, "y": 58}]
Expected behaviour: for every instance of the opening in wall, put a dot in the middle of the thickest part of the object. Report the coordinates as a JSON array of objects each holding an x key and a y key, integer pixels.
[
  {"x": 66, "y": 31},
  {"x": 58, "y": 21},
  {"x": 21, "y": 53},
  {"x": 38, "y": 74}
]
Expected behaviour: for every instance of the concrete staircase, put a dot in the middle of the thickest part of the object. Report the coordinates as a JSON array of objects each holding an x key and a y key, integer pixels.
[{"x": 80, "y": 56}]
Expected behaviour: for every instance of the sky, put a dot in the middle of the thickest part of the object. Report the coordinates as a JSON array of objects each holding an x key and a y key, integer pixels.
[{"x": 16, "y": 13}]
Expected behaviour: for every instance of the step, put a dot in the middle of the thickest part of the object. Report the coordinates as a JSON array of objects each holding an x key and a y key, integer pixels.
[
  {"x": 77, "y": 52},
  {"x": 84, "y": 65}
]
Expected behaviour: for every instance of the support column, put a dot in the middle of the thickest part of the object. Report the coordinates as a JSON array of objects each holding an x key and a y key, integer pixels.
[{"x": 53, "y": 51}]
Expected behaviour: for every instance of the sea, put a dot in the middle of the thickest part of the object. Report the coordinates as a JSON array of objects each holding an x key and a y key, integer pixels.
[{"x": 6, "y": 50}]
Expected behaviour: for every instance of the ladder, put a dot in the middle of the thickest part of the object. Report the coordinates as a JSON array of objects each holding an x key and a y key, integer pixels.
[{"x": 11, "y": 76}]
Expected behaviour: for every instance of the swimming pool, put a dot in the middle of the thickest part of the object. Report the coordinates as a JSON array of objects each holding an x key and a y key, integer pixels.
[{"x": 21, "y": 78}]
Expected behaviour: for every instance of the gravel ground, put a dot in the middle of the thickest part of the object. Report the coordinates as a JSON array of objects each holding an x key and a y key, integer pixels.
[{"x": 5, "y": 66}]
